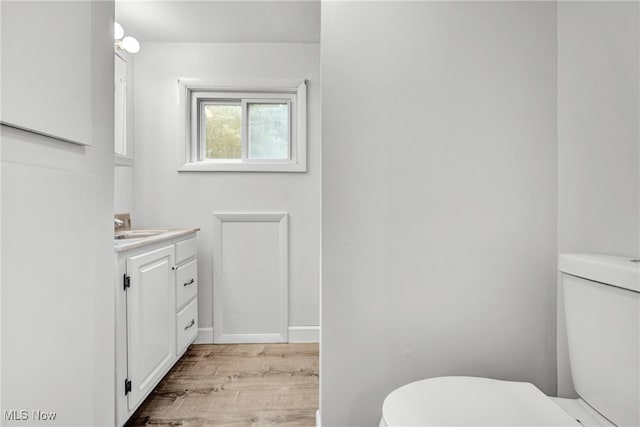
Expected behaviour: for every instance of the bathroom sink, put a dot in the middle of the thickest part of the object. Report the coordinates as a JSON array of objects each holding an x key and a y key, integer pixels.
[
  {"x": 130, "y": 238},
  {"x": 121, "y": 242},
  {"x": 137, "y": 234}
]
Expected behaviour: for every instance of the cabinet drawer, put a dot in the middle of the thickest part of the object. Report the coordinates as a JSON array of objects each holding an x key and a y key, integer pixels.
[
  {"x": 185, "y": 249},
  {"x": 187, "y": 325},
  {"x": 186, "y": 282}
]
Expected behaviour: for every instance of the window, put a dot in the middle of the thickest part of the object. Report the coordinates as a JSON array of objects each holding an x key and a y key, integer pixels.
[{"x": 244, "y": 129}]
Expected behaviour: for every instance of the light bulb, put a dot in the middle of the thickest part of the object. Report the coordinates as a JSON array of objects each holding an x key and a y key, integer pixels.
[
  {"x": 130, "y": 44},
  {"x": 118, "y": 32}
]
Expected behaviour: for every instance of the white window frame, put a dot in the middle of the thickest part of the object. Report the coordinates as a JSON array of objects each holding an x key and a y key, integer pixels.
[{"x": 193, "y": 95}]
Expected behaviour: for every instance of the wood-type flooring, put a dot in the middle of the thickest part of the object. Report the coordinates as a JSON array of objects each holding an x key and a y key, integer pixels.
[{"x": 236, "y": 385}]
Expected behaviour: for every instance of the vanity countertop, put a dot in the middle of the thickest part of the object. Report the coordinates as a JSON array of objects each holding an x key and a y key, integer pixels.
[{"x": 136, "y": 237}]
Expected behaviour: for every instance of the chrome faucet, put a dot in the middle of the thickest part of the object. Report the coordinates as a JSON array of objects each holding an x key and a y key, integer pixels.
[{"x": 118, "y": 222}]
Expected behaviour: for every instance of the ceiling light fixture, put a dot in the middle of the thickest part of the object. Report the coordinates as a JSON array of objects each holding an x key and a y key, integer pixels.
[{"x": 128, "y": 43}]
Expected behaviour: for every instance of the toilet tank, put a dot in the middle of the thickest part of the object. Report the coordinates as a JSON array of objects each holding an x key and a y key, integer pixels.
[{"x": 602, "y": 309}]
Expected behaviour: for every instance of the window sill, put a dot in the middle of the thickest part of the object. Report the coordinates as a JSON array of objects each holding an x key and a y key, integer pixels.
[{"x": 242, "y": 167}]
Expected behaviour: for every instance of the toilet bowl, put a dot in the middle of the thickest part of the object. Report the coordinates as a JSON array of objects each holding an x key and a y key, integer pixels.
[
  {"x": 475, "y": 401},
  {"x": 602, "y": 311}
]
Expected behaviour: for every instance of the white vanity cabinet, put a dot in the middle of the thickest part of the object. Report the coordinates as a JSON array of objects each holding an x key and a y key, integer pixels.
[
  {"x": 186, "y": 290},
  {"x": 156, "y": 315}
]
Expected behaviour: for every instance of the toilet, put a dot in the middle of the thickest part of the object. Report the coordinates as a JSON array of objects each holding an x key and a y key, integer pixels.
[{"x": 602, "y": 310}]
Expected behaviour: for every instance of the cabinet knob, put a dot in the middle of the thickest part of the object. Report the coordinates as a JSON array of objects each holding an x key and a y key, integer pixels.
[
  {"x": 193, "y": 322},
  {"x": 189, "y": 282}
]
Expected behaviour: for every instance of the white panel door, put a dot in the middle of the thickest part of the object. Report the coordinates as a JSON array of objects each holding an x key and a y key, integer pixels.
[
  {"x": 150, "y": 320},
  {"x": 250, "y": 285}
]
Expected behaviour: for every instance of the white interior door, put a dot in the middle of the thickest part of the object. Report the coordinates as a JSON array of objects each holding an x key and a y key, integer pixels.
[{"x": 250, "y": 270}]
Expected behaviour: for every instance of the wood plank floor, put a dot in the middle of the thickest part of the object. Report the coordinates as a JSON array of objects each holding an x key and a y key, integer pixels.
[{"x": 236, "y": 385}]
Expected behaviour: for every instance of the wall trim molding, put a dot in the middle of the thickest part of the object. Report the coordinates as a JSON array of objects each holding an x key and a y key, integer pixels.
[
  {"x": 250, "y": 339},
  {"x": 205, "y": 336},
  {"x": 300, "y": 334},
  {"x": 220, "y": 333},
  {"x": 297, "y": 334}
]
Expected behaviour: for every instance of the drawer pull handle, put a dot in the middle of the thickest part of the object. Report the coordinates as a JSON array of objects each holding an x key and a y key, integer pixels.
[
  {"x": 193, "y": 322},
  {"x": 189, "y": 282}
]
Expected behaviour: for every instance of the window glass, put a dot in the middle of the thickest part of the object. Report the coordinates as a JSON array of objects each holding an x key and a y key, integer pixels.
[
  {"x": 268, "y": 131},
  {"x": 223, "y": 131}
]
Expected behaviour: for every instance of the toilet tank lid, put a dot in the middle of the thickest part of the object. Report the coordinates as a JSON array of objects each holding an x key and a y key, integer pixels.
[{"x": 623, "y": 272}]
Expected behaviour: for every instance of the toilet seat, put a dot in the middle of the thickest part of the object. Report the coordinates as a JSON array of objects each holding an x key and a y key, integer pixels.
[{"x": 471, "y": 401}]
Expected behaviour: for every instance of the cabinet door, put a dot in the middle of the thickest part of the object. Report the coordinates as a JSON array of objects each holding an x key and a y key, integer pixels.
[
  {"x": 47, "y": 86},
  {"x": 150, "y": 320}
]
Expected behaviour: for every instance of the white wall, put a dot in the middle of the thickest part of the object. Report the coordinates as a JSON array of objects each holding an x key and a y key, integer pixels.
[
  {"x": 57, "y": 253},
  {"x": 124, "y": 196},
  {"x": 439, "y": 197},
  {"x": 598, "y": 136},
  {"x": 164, "y": 197}
]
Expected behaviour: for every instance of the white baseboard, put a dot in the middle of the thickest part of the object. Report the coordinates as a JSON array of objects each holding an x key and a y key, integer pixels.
[
  {"x": 251, "y": 339},
  {"x": 297, "y": 334},
  {"x": 205, "y": 336},
  {"x": 304, "y": 334}
]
